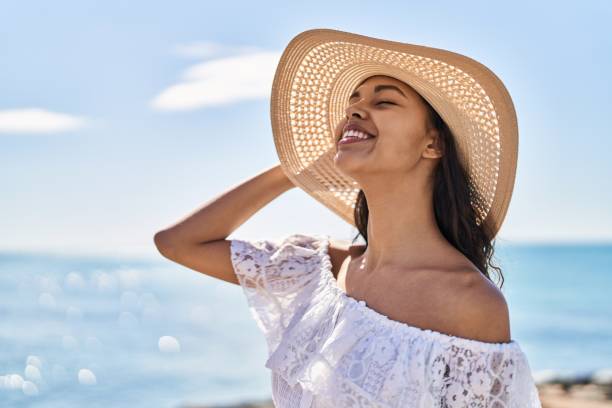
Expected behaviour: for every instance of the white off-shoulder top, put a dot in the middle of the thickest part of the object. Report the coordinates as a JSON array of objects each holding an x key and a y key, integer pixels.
[{"x": 327, "y": 349}]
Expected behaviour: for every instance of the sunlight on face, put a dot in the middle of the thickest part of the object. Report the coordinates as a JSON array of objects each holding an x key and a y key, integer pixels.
[{"x": 394, "y": 113}]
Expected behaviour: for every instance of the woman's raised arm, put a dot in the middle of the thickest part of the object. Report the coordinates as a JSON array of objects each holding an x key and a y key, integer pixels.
[{"x": 199, "y": 240}]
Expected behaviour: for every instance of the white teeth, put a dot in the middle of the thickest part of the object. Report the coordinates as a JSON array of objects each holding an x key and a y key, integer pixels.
[{"x": 355, "y": 133}]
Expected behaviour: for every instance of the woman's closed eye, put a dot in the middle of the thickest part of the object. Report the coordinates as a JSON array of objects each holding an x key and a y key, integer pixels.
[{"x": 385, "y": 102}]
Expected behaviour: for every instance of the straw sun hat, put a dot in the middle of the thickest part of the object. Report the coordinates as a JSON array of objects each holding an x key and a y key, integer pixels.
[{"x": 320, "y": 68}]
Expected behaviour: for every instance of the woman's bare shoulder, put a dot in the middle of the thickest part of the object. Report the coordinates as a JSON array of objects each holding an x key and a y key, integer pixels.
[{"x": 484, "y": 310}]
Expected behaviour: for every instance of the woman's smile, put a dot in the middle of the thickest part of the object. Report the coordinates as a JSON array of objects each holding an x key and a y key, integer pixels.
[{"x": 352, "y": 140}]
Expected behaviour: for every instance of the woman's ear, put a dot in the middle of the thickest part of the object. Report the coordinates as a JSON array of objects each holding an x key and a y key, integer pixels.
[{"x": 434, "y": 149}]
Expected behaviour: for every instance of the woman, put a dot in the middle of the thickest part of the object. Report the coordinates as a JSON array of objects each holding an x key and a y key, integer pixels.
[{"x": 412, "y": 318}]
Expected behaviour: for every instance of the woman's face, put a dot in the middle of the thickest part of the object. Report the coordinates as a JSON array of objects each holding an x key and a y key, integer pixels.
[{"x": 390, "y": 110}]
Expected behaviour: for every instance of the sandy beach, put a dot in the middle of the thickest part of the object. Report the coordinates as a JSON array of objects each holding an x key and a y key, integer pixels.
[{"x": 579, "y": 396}]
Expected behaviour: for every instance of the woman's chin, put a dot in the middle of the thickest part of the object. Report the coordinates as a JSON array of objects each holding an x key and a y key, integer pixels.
[{"x": 348, "y": 165}]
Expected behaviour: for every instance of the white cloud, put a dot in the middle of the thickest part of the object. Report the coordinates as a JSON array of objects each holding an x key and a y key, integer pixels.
[
  {"x": 221, "y": 81},
  {"x": 35, "y": 120},
  {"x": 208, "y": 49}
]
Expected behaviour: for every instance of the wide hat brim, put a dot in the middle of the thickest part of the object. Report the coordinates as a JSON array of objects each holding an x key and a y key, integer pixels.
[{"x": 319, "y": 69}]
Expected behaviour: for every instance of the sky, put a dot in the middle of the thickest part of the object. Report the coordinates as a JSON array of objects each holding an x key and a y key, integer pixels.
[{"x": 117, "y": 119}]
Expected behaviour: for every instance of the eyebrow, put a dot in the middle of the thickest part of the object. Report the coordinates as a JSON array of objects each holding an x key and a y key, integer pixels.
[{"x": 379, "y": 88}]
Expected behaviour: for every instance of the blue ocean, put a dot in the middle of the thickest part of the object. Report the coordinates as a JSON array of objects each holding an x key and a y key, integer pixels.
[{"x": 78, "y": 332}]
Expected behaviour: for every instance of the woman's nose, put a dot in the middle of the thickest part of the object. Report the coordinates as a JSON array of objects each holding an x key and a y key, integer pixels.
[{"x": 355, "y": 110}]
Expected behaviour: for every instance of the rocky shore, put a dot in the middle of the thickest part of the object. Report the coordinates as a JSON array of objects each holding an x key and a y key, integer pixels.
[{"x": 575, "y": 390}]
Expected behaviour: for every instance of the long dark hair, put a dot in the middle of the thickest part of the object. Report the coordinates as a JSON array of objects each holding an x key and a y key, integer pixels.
[{"x": 454, "y": 213}]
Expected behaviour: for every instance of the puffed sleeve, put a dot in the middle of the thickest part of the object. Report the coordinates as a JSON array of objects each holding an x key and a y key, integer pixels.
[
  {"x": 489, "y": 375},
  {"x": 276, "y": 277}
]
